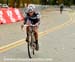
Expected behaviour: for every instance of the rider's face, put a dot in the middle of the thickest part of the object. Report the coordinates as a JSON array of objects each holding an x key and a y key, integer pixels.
[{"x": 31, "y": 13}]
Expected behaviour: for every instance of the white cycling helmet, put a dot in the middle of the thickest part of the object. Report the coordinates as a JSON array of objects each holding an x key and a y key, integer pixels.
[
  {"x": 31, "y": 10},
  {"x": 31, "y": 5}
]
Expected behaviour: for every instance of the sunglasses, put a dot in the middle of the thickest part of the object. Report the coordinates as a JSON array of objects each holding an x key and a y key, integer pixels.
[{"x": 30, "y": 12}]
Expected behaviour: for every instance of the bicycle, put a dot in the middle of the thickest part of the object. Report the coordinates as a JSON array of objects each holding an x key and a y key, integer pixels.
[
  {"x": 61, "y": 9},
  {"x": 31, "y": 45}
]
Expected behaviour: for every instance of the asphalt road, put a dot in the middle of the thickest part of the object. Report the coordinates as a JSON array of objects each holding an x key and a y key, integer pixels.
[{"x": 56, "y": 39}]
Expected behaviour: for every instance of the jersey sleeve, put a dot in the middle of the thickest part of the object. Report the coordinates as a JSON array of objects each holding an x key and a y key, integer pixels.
[{"x": 38, "y": 15}]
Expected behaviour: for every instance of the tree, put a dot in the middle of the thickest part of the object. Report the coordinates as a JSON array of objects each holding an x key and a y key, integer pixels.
[
  {"x": 60, "y": 1},
  {"x": 1, "y": 1},
  {"x": 68, "y": 2}
]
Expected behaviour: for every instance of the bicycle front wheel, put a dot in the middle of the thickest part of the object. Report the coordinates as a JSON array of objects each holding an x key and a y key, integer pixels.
[
  {"x": 30, "y": 50},
  {"x": 31, "y": 46}
]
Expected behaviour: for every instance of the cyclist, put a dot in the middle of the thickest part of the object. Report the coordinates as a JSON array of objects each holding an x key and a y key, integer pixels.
[
  {"x": 32, "y": 17},
  {"x": 61, "y": 7}
]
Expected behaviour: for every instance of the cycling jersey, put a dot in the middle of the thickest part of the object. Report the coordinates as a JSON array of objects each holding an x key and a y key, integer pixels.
[{"x": 35, "y": 18}]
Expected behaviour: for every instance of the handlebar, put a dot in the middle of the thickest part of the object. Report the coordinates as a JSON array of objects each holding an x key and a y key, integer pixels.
[{"x": 29, "y": 25}]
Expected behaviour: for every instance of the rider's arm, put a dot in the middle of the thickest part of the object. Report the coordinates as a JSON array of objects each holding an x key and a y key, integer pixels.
[
  {"x": 23, "y": 23},
  {"x": 38, "y": 18},
  {"x": 38, "y": 15}
]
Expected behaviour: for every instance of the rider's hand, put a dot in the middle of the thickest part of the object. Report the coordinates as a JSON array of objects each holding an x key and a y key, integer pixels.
[{"x": 36, "y": 24}]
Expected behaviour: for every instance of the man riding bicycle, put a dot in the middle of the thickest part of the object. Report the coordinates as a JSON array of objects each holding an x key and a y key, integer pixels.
[
  {"x": 61, "y": 7},
  {"x": 32, "y": 17}
]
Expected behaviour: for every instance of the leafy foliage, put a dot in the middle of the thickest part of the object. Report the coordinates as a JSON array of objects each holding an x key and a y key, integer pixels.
[{"x": 21, "y": 3}]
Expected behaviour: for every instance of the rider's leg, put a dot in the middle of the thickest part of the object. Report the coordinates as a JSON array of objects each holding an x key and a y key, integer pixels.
[
  {"x": 36, "y": 33},
  {"x": 27, "y": 37},
  {"x": 27, "y": 28},
  {"x": 36, "y": 29},
  {"x": 36, "y": 38}
]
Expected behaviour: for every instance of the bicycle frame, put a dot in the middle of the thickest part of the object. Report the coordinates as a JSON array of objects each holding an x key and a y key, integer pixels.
[{"x": 31, "y": 44}]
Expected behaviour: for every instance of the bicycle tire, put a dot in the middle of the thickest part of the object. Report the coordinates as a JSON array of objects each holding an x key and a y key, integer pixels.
[
  {"x": 33, "y": 52},
  {"x": 33, "y": 48},
  {"x": 29, "y": 53}
]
